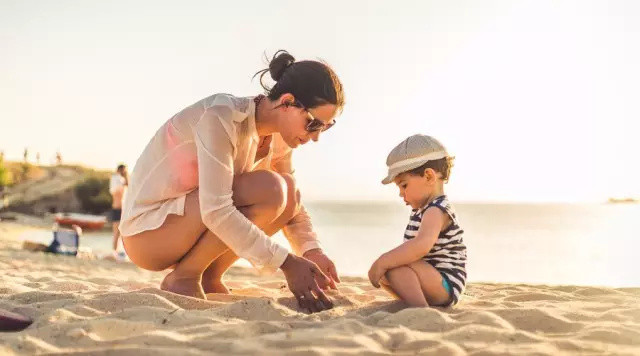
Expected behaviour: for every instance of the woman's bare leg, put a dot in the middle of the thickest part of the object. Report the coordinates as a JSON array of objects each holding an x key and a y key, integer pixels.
[
  {"x": 212, "y": 277},
  {"x": 186, "y": 242}
]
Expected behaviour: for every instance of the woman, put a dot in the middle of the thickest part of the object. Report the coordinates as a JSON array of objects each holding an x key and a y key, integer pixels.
[{"x": 216, "y": 181}]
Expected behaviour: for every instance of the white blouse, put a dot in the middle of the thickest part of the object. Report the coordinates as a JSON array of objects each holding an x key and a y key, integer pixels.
[{"x": 204, "y": 146}]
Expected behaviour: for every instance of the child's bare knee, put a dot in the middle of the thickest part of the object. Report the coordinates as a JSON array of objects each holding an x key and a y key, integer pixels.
[
  {"x": 384, "y": 281},
  {"x": 397, "y": 273}
]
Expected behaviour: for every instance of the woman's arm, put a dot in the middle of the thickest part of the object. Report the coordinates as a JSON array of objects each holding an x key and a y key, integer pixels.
[{"x": 299, "y": 230}]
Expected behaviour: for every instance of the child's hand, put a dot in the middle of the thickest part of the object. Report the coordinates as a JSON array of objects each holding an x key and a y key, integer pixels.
[{"x": 376, "y": 272}]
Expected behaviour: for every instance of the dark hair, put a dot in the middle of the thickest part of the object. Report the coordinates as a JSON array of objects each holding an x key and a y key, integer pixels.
[
  {"x": 121, "y": 166},
  {"x": 312, "y": 83},
  {"x": 442, "y": 166}
]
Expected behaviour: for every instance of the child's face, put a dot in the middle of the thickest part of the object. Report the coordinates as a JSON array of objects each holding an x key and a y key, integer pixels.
[{"x": 414, "y": 189}]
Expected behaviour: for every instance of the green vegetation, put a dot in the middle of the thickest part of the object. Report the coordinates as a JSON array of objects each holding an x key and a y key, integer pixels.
[
  {"x": 14, "y": 173},
  {"x": 32, "y": 189},
  {"x": 25, "y": 168},
  {"x": 93, "y": 193},
  {"x": 5, "y": 177}
]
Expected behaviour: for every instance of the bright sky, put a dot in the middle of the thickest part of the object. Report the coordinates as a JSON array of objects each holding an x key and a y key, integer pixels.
[{"x": 538, "y": 100}]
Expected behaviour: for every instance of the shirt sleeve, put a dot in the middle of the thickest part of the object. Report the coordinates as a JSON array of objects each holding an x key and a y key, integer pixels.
[
  {"x": 299, "y": 230},
  {"x": 215, "y": 144}
]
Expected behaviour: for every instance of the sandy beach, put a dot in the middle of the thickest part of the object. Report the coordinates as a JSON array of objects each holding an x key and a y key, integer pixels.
[{"x": 84, "y": 306}]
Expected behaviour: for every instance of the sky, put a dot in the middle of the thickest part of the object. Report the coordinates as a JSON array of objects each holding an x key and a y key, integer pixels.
[{"x": 538, "y": 100}]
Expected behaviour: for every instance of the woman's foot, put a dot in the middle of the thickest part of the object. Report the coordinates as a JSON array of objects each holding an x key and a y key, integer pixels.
[
  {"x": 214, "y": 286},
  {"x": 189, "y": 286}
]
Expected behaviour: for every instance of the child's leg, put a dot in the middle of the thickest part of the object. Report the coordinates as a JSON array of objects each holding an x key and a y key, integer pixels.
[
  {"x": 404, "y": 284},
  {"x": 416, "y": 282},
  {"x": 212, "y": 277},
  {"x": 431, "y": 283},
  {"x": 386, "y": 285},
  {"x": 186, "y": 242}
]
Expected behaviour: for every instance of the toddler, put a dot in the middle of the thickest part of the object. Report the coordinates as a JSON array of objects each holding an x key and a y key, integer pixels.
[{"x": 429, "y": 267}]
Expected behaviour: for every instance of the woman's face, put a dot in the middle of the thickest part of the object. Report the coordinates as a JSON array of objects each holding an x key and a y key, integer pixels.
[{"x": 293, "y": 122}]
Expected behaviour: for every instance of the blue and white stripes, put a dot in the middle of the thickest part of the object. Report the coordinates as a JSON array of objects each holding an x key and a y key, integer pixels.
[{"x": 449, "y": 254}]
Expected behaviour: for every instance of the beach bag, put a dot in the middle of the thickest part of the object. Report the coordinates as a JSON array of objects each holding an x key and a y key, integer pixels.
[{"x": 65, "y": 242}]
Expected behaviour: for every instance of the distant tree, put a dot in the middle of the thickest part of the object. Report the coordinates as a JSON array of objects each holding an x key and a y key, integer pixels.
[
  {"x": 25, "y": 168},
  {"x": 93, "y": 194},
  {"x": 26, "y": 154},
  {"x": 4, "y": 174}
]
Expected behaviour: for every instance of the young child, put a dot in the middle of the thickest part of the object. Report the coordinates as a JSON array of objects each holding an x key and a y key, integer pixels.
[{"x": 429, "y": 267}]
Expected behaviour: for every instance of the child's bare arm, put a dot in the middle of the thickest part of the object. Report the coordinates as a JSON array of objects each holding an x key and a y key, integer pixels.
[{"x": 432, "y": 223}]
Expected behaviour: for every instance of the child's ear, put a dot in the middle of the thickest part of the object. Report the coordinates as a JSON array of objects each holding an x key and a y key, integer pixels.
[{"x": 430, "y": 175}]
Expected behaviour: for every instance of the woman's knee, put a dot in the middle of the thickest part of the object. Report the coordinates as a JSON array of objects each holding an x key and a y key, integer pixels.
[
  {"x": 293, "y": 195},
  {"x": 264, "y": 189},
  {"x": 276, "y": 189}
]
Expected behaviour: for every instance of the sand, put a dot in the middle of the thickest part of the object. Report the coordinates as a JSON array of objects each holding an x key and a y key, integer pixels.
[{"x": 84, "y": 306}]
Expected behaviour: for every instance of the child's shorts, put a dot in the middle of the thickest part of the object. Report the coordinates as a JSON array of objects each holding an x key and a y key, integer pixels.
[{"x": 446, "y": 285}]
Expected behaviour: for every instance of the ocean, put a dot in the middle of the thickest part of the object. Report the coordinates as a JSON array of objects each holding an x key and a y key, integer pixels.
[{"x": 577, "y": 244}]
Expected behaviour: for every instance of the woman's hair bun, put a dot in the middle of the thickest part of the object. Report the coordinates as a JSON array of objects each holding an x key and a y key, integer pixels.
[
  {"x": 312, "y": 83},
  {"x": 279, "y": 63}
]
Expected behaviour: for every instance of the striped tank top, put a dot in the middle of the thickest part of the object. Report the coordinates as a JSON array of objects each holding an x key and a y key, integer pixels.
[{"x": 449, "y": 254}]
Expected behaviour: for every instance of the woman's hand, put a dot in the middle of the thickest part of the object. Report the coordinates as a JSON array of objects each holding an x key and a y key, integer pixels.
[
  {"x": 376, "y": 272},
  {"x": 301, "y": 275},
  {"x": 326, "y": 266}
]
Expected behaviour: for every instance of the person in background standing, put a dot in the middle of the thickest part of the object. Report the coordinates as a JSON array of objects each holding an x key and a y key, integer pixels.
[{"x": 117, "y": 187}]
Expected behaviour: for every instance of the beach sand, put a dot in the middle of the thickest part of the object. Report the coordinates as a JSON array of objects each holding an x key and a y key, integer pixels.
[{"x": 84, "y": 306}]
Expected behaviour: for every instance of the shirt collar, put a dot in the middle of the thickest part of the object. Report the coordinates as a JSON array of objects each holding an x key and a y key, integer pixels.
[{"x": 253, "y": 131}]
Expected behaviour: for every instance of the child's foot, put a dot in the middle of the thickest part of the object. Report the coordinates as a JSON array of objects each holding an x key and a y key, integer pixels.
[
  {"x": 189, "y": 286},
  {"x": 214, "y": 286}
]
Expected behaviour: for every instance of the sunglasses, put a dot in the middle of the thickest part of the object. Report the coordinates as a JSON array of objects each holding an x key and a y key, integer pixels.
[{"x": 314, "y": 124}]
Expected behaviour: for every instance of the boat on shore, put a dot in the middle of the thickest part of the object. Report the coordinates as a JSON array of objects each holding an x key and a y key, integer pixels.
[{"x": 85, "y": 221}]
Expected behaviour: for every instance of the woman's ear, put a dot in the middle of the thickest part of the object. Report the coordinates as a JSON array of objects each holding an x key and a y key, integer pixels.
[{"x": 286, "y": 100}]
